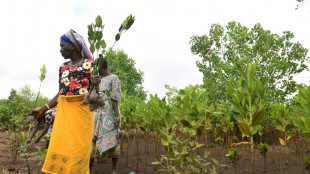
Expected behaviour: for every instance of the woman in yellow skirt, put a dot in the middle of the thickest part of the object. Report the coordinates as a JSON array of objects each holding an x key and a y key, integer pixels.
[{"x": 70, "y": 143}]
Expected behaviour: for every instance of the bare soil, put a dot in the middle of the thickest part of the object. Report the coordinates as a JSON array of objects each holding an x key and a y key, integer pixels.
[{"x": 275, "y": 157}]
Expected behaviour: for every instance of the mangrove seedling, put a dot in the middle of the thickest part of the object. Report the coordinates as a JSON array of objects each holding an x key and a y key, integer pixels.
[
  {"x": 263, "y": 148},
  {"x": 234, "y": 156}
]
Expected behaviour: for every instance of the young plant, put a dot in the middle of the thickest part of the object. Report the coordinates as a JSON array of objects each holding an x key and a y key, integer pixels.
[
  {"x": 235, "y": 139},
  {"x": 24, "y": 148},
  {"x": 184, "y": 122},
  {"x": 182, "y": 159},
  {"x": 219, "y": 140},
  {"x": 307, "y": 161},
  {"x": 98, "y": 44},
  {"x": 42, "y": 77},
  {"x": 303, "y": 122},
  {"x": 234, "y": 156},
  {"x": 283, "y": 123},
  {"x": 260, "y": 130},
  {"x": 223, "y": 121},
  {"x": 42, "y": 153},
  {"x": 246, "y": 99},
  {"x": 263, "y": 148}
]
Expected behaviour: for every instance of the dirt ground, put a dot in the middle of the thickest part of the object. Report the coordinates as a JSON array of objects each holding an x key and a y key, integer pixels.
[{"x": 275, "y": 158}]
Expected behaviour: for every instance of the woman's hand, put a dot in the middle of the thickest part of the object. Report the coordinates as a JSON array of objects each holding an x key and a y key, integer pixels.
[
  {"x": 37, "y": 140},
  {"x": 116, "y": 121},
  {"x": 38, "y": 112},
  {"x": 95, "y": 79}
]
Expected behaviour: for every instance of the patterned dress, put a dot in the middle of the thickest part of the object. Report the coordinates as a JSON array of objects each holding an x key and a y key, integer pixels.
[
  {"x": 105, "y": 132},
  {"x": 49, "y": 117},
  {"x": 75, "y": 80}
]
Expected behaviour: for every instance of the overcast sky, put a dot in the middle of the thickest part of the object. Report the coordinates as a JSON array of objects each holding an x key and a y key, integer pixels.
[{"x": 158, "y": 41}]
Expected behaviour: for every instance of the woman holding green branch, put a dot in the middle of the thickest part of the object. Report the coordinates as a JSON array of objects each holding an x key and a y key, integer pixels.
[
  {"x": 107, "y": 119},
  {"x": 70, "y": 143}
]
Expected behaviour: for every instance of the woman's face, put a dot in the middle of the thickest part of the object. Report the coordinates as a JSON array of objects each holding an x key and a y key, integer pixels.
[
  {"x": 101, "y": 71},
  {"x": 66, "y": 49}
]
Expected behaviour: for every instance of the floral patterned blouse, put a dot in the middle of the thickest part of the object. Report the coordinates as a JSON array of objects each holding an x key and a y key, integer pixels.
[
  {"x": 76, "y": 79},
  {"x": 111, "y": 83}
]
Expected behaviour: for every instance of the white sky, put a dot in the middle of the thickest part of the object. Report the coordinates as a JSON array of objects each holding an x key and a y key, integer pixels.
[{"x": 158, "y": 41}]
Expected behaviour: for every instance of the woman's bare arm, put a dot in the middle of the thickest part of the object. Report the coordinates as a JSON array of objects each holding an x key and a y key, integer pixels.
[
  {"x": 44, "y": 131},
  {"x": 116, "y": 111},
  {"x": 39, "y": 112}
]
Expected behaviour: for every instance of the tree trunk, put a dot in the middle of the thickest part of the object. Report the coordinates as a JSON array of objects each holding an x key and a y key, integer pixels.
[
  {"x": 265, "y": 163},
  {"x": 127, "y": 150},
  {"x": 137, "y": 152},
  {"x": 146, "y": 152},
  {"x": 252, "y": 156}
]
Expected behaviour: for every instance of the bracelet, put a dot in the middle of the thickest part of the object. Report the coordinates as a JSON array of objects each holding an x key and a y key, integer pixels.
[{"x": 47, "y": 106}]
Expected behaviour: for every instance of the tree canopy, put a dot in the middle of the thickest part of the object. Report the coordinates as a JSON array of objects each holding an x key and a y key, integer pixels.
[
  {"x": 14, "y": 109},
  {"x": 124, "y": 67},
  {"x": 224, "y": 51}
]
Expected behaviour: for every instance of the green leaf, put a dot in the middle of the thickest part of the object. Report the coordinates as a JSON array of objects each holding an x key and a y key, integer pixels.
[
  {"x": 164, "y": 141},
  {"x": 131, "y": 20},
  {"x": 98, "y": 45},
  {"x": 98, "y": 21},
  {"x": 43, "y": 72},
  {"x": 173, "y": 142},
  {"x": 258, "y": 117},
  {"x": 259, "y": 87},
  {"x": 306, "y": 134},
  {"x": 254, "y": 130},
  {"x": 185, "y": 123},
  {"x": 206, "y": 154},
  {"x": 117, "y": 37},
  {"x": 244, "y": 86},
  {"x": 265, "y": 83},
  {"x": 93, "y": 36},
  {"x": 240, "y": 118},
  {"x": 182, "y": 92},
  {"x": 189, "y": 159},
  {"x": 92, "y": 48},
  {"x": 22, "y": 137},
  {"x": 215, "y": 161},
  {"x": 229, "y": 88},
  {"x": 124, "y": 24},
  {"x": 120, "y": 28},
  {"x": 244, "y": 129},
  {"x": 103, "y": 44},
  {"x": 235, "y": 98},
  {"x": 90, "y": 29},
  {"x": 156, "y": 163},
  {"x": 99, "y": 35},
  {"x": 250, "y": 77},
  {"x": 305, "y": 95},
  {"x": 162, "y": 170}
]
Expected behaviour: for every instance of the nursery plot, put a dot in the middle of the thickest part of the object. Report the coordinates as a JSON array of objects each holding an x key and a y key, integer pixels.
[{"x": 275, "y": 158}]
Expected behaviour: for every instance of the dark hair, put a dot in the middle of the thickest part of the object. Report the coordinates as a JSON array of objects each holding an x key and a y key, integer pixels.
[{"x": 102, "y": 62}]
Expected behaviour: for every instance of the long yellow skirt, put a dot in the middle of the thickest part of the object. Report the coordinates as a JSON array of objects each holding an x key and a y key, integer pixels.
[{"x": 71, "y": 138}]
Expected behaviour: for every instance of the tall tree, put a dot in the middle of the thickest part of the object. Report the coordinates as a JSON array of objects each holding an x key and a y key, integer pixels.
[
  {"x": 124, "y": 67},
  {"x": 224, "y": 51}
]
